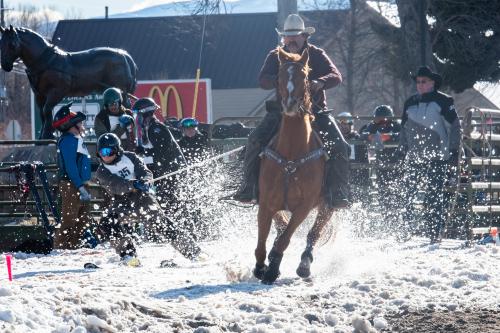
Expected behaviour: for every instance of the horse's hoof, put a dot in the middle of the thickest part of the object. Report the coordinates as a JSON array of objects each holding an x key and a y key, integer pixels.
[
  {"x": 304, "y": 269},
  {"x": 259, "y": 271},
  {"x": 273, "y": 271},
  {"x": 270, "y": 276}
]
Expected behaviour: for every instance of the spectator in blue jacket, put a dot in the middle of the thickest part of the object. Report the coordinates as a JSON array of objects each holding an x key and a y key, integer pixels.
[{"x": 74, "y": 174}]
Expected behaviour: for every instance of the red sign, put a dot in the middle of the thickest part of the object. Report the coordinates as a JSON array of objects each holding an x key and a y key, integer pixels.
[{"x": 176, "y": 97}]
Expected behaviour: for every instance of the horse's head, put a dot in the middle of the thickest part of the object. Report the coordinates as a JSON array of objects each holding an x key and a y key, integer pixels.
[
  {"x": 292, "y": 82},
  {"x": 10, "y": 47}
]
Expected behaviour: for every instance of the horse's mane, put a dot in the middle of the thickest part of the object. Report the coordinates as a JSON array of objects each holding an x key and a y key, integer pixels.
[
  {"x": 291, "y": 57},
  {"x": 31, "y": 32}
]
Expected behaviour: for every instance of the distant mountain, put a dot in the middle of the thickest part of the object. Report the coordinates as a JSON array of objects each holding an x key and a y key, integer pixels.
[{"x": 187, "y": 7}]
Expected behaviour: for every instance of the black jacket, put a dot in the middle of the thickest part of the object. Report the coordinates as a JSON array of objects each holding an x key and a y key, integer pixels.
[
  {"x": 166, "y": 154},
  {"x": 391, "y": 131},
  {"x": 194, "y": 148},
  {"x": 102, "y": 125}
]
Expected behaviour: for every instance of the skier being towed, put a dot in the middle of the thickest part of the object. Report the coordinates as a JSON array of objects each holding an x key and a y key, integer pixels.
[{"x": 128, "y": 181}]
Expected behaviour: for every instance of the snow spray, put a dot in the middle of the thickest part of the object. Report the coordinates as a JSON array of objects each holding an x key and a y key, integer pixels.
[{"x": 8, "y": 261}]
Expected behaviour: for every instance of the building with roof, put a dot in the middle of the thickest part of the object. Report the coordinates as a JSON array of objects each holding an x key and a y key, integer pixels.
[{"x": 234, "y": 49}]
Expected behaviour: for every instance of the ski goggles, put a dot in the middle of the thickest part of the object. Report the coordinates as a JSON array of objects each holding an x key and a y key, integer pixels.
[
  {"x": 346, "y": 121},
  {"x": 114, "y": 103},
  {"x": 189, "y": 123},
  {"x": 106, "y": 152}
]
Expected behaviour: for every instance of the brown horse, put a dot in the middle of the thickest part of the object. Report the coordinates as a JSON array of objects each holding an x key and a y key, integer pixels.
[{"x": 292, "y": 172}]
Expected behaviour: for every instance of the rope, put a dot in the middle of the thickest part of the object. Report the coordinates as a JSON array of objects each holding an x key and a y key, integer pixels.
[
  {"x": 195, "y": 165},
  {"x": 198, "y": 70}
]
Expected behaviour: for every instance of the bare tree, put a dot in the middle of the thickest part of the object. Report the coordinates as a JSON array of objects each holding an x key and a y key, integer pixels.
[{"x": 209, "y": 7}]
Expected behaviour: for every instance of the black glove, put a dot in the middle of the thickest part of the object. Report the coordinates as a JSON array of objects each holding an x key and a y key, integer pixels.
[
  {"x": 139, "y": 150},
  {"x": 273, "y": 106},
  {"x": 141, "y": 186}
]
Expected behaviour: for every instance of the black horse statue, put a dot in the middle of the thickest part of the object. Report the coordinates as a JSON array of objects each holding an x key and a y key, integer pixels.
[{"x": 55, "y": 74}]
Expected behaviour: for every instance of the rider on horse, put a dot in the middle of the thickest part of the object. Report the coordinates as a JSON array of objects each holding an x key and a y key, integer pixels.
[{"x": 323, "y": 75}]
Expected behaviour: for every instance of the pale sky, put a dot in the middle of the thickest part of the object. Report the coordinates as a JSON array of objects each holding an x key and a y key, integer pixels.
[{"x": 89, "y": 8}]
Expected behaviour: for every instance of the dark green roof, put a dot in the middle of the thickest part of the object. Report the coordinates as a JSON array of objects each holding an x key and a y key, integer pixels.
[{"x": 234, "y": 48}]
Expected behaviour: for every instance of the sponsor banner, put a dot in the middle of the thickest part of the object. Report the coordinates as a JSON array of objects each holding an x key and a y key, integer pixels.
[
  {"x": 175, "y": 98},
  {"x": 89, "y": 105}
]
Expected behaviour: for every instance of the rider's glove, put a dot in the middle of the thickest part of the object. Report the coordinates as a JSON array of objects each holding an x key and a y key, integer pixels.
[
  {"x": 125, "y": 120},
  {"x": 141, "y": 185},
  {"x": 84, "y": 194}
]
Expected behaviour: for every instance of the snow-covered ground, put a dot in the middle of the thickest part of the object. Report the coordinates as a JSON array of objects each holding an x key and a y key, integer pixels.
[
  {"x": 353, "y": 279},
  {"x": 357, "y": 284}
]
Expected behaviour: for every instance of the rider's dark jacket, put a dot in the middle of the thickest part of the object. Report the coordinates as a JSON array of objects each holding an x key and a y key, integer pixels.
[
  {"x": 391, "y": 130},
  {"x": 430, "y": 127},
  {"x": 322, "y": 69},
  {"x": 161, "y": 150},
  {"x": 194, "y": 148},
  {"x": 105, "y": 122}
]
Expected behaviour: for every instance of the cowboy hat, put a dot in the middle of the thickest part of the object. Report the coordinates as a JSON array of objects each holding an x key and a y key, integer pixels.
[
  {"x": 425, "y": 71},
  {"x": 294, "y": 26}
]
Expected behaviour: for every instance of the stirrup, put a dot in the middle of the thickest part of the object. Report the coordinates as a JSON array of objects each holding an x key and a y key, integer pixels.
[{"x": 245, "y": 195}]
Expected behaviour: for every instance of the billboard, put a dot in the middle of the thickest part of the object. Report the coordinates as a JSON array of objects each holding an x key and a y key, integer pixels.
[{"x": 175, "y": 98}]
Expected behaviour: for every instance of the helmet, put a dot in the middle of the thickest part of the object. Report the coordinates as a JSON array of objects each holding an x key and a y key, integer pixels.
[
  {"x": 383, "y": 111},
  {"x": 112, "y": 95},
  {"x": 145, "y": 105},
  {"x": 345, "y": 117},
  {"x": 108, "y": 144},
  {"x": 188, "y": 122},
  {"x": 64, "y": 118}
]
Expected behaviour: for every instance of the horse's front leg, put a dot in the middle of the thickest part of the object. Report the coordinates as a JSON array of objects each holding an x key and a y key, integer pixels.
[
  {"x": 264, "y": 219},
  {"x": 324, "y": 215},
  {"x": 280, "y": 245},
  {"x": 47, "y": 130}
]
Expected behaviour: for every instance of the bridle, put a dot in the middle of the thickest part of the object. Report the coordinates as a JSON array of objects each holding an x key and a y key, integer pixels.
[{"x": 302, "y": 67}]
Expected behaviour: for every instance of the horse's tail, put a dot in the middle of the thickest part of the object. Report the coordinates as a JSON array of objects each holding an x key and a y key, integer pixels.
[{"x": 132, "y": 67}]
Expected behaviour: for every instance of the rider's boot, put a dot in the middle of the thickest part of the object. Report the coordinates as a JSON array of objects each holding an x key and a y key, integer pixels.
[
  {"x": 337, "y": 185},
  {"x": 336, "y": 191},
  {"x": 247, "y": 191},
  {"x": 259, "y": 138}
]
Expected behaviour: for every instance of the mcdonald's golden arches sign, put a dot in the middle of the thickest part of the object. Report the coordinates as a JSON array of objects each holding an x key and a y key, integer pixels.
[{"x": 176, "y": 97}]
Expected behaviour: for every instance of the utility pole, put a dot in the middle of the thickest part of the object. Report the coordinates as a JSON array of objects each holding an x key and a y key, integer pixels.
[
  {"x": 423, "y": 28},
  {"x": 2, "y": 18},
  {"x": 285, "y": 8}
]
